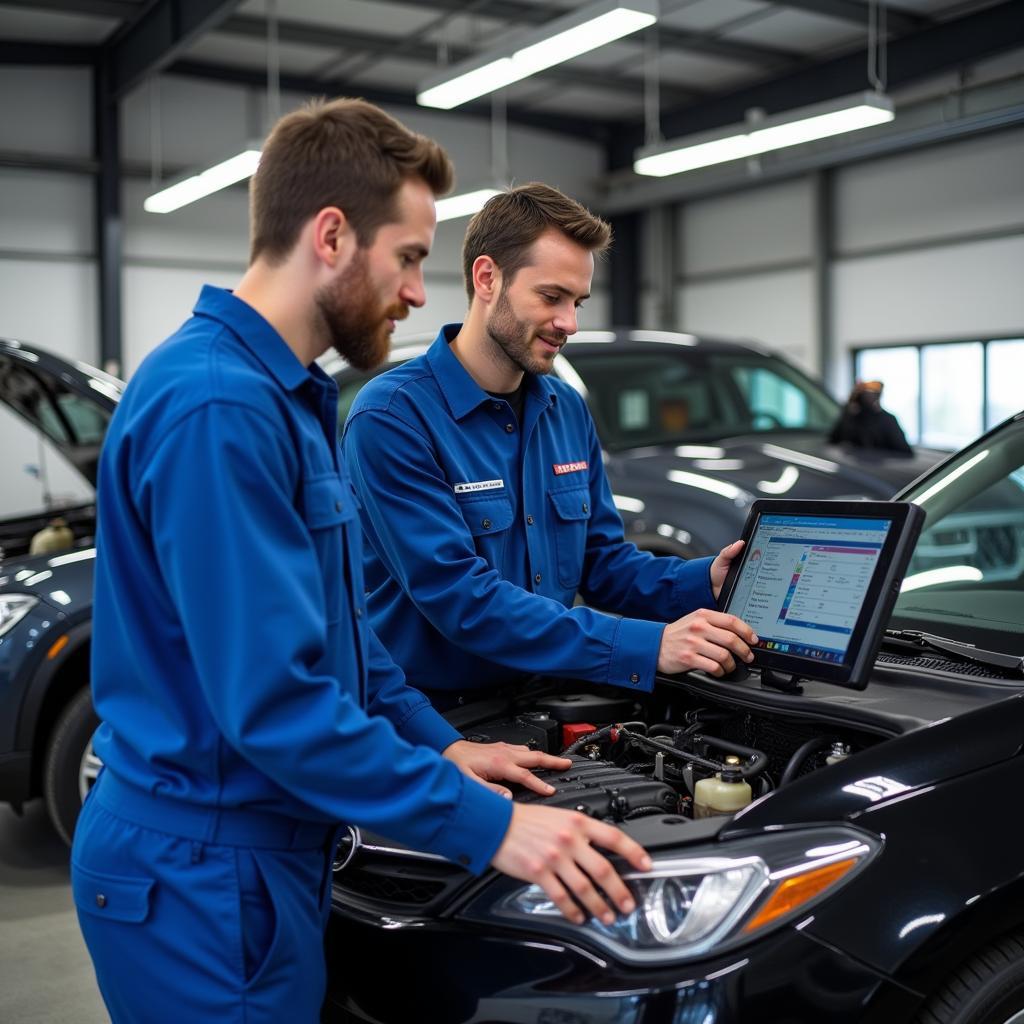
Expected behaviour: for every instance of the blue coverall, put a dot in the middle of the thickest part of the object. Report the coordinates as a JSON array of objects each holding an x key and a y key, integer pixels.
[
  {"x": 247, "y": 706},
  {"x": 482, "y": 529}
]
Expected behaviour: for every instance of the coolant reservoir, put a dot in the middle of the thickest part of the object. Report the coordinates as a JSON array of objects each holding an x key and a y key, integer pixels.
[
  {"x": 55, "y": 536},
  {"x": 725, "y": 793}
]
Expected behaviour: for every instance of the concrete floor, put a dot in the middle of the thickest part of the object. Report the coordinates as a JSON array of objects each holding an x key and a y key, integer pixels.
[{"x": 45, "y": 971}]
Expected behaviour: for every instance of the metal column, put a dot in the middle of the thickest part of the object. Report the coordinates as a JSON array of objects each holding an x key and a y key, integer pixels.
[{"x": 107, "y": 144}]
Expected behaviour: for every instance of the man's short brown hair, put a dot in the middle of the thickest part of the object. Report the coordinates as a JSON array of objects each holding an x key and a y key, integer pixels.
[
  {"x": 345, "y": 153},
  {"x": 509, "y": 223}
]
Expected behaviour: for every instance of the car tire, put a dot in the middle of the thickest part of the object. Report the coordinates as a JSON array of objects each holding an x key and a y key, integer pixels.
[
  {"x": 987, "y": 989},
  {"x": 70, "y": 764}
]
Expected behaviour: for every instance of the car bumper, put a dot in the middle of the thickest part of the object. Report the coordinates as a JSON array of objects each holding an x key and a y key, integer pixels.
[{"x": 459, "y": 974}]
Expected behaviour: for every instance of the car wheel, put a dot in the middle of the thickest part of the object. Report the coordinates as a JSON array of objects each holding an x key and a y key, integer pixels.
[
  {"x": 988, "y": 989},
  {"x": 71, "y": 766}
]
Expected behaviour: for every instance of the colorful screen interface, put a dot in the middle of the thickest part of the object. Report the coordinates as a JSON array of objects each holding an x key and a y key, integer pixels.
[{"x": 804, "y": 580}]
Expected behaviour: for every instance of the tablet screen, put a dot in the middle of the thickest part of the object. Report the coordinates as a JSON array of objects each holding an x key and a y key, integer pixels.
[
  {"x": 817, "y": 581},
  {"x": 804, "y": 581}
]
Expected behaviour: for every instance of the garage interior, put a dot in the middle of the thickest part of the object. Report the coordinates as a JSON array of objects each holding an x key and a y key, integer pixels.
[{"x": 895, "y": 252}]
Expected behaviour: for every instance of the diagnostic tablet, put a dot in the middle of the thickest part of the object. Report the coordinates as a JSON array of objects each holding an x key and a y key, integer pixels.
[{"x": 817, "y": 581}]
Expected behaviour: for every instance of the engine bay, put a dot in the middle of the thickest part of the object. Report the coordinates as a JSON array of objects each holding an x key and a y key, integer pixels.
[{"x": 678, "y": 754}]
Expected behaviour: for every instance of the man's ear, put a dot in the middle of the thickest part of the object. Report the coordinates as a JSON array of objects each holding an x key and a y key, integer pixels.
[
  {"x": 334, "y": 239},
  {"x": 486, "y": 278}
]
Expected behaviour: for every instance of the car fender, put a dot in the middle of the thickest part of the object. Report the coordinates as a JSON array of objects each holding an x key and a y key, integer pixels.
[
  {"x": 947, "y": 883},
  {"x": 40, "y": 687}
]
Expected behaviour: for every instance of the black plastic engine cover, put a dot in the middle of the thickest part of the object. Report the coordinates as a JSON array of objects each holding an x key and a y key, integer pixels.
[
  {"x": 587, "y": 707},
  {"x": 533, "y": 729},
  {"x": 602, "y": 790}
]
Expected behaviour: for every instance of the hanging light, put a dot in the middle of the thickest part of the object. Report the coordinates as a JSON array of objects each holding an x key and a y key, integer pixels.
[
  {"x": 578, "y": 32},
  {"x": 736, "y": 142}
]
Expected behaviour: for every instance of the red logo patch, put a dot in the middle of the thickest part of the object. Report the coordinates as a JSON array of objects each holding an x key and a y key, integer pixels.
[{"x": 561, "y": 468}]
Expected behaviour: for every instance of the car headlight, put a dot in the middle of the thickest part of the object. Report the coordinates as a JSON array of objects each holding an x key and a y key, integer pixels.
[
  {"x": 13, "y": 608},
  {"x": 688, "y": 906}
]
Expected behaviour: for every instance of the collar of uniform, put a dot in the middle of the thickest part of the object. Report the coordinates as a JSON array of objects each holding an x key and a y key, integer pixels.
[
  {"x": 460, "y": 391},
  {"x": 255, "y": 332}
]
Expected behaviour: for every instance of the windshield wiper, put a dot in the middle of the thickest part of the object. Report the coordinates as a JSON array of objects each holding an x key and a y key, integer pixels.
[{"x": 916, "y": 641}]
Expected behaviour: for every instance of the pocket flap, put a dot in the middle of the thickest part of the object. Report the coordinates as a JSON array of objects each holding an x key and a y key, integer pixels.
[
  {"x": 111, "y": 896},
  {"x": 573, "y": 504},
  {"x": 328, "y": 502},
  {"x": 487, "y": 515}
]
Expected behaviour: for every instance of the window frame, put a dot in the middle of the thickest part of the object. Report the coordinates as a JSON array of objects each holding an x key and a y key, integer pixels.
[{"x": 919, "y": 346}]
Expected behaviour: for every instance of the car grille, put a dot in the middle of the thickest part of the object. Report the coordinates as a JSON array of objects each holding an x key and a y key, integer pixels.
[
  {"x": 395, "y": 883},
  {"x": 387, "y": 887}
]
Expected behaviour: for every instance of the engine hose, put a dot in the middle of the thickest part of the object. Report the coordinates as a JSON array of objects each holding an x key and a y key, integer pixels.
[
  {"x": 756, "y": 759},
  {"x": 642, "y": 812},
  {"x": 589, "y": 738},
  {"x": 667, "y": 748},
  {"x": 801, "y": 753}
]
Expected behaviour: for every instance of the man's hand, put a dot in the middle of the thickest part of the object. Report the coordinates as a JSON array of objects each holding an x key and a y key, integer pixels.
[
  {"x": 490, "y": 762},
  {"x": 710, "y": 641},
  {"x": 720, "y": 566},
  {"x": 552, "y": 848}
]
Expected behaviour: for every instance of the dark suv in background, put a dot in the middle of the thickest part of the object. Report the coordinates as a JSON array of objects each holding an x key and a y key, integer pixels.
[{"x": 693, "y": 431}]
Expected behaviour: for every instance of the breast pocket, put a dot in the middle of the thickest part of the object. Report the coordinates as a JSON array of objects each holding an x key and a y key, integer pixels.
[
  {"x": 572, "y": 513},
  {"x": 488, "y": 518},
  {"x": 329, "y": 511}
]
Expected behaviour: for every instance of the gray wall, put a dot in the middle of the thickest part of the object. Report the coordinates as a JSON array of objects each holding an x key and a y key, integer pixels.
[
  {"x": 926, "y": 246},
  {"x": 47, "y": 240}
]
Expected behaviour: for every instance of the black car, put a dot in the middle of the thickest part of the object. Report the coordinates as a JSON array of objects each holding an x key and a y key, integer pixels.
[
  {"x": 876, "y": 876},
  {"x": 694, "y": 429}
]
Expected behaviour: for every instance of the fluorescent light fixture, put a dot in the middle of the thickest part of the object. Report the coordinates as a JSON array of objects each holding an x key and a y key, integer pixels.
[
  {"x": 818, "y": 121},
  {"x": 465, "y": 204},
  {"x": 578, "y": 32},
  {"x": 213, "y": 179}
]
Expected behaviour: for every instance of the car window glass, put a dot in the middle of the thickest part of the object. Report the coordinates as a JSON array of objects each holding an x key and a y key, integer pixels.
[
  {"x": 648, "y": 397},
  {"x": 37, "y": 476},
  {"x": 770, "y": 399},
  {"x": 966, "y": 576}
]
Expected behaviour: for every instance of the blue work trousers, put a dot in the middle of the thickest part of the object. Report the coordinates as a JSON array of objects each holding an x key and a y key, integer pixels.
[{"x": 193, "y": 914}]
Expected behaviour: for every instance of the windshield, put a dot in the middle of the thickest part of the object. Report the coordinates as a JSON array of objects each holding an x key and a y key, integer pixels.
[
  {"x": 966, "y": 576},
  {"x": 670, "y": 395}
]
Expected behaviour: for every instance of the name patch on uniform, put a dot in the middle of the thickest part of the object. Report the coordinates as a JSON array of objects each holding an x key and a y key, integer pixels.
[
  {"x": 479, "y": 485},
  {"x": 561, "y": 468}
]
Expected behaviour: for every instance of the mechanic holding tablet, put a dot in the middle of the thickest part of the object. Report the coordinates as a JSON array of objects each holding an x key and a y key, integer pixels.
[{"x": 484, "y": 497}]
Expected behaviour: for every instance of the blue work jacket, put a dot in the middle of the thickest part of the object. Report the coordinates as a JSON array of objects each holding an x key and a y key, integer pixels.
[
  {"x": 233, "y": 665},
  {"x": 482, "y": 529}
]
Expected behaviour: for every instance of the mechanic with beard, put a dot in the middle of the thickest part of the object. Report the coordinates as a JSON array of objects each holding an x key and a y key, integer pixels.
[
  {"x": 484, "y": 496},
  {"x": 247, "y": 706}
]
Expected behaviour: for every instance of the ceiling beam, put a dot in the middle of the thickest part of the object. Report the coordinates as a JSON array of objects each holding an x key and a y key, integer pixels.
[
  {"x": 124, "y": 10},
  {"x": 46, "y": 53},
  {"x": 576, "y": 127},
  {"x": 898, "y": 21},
  {"x": 161, "y": 33},
  {"x": 945, "y": 46},
  {"x": 383, "y": 46},
  {"x": 516, "y": 12}
]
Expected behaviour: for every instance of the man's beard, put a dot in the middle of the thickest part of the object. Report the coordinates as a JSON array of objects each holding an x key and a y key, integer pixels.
[
  {"x": 355, "y": 321},
  {"x": 514, "y": 337}
]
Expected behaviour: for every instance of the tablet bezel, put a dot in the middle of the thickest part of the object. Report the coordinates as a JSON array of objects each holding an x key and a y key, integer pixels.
[{"x": 855, "y": 668}]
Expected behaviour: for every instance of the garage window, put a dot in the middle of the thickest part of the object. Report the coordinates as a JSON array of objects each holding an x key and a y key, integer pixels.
[{"x": 946, "y": 393}]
